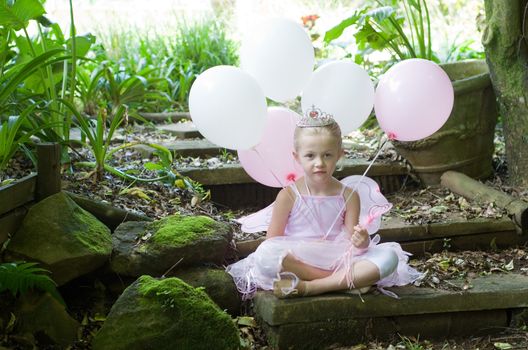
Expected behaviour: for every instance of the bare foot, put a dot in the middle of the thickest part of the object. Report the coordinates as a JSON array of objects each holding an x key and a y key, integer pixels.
[{"x": 304, "y": 271}]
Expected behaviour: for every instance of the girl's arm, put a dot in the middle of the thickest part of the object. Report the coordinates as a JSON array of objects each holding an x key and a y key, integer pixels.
[
  {"x": 358, "y": 235},
  {"x": 281, "y": 211}
]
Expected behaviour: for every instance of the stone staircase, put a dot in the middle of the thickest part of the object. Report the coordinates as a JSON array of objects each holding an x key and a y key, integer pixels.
[
  {"x": 232, "y": 187},
  {"x": 456, "y": 234},
  {"x": 487, "y": 305},
  {"x": 491, "y": 304}
]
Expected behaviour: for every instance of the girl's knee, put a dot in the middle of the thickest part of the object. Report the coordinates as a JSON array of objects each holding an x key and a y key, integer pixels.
[
  {"x": 389, "y": 264},
  {"x": 385, "y": 259}
]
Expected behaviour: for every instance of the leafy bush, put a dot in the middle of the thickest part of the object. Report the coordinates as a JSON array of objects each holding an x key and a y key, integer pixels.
[
  {"x": 404, "y": 30},
  {"x": 34, "y": 73},
  {"x": 174, "y": 61},
  {"x": 385, "y": 28}
]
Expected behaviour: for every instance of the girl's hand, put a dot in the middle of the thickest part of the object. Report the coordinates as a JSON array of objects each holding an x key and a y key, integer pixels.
[{"x": 360, "y": 237}]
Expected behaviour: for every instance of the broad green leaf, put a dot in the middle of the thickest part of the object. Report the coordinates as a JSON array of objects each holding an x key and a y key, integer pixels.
[
  {"x": 24, "y": 54},
  {"x": 368, "y": 36},
  {"x": 57, "y": 31},
  {"x": 18, "y": 15},
  {"x": 152, "y": 166},
  {"x": 335, "y": 32},
  {"x": 44, "y": 21},
  {"x": 11, "y": 80},
  {"x": 82, "y": 44},
  {"x": 381, "y": 13}
]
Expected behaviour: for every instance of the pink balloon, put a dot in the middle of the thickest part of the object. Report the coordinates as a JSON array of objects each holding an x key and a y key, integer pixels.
[
  {"x": 271, "y": 162},
  {"x": 413, "y": 99}
]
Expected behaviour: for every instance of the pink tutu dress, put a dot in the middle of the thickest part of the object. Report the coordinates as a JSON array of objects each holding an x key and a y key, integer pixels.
[{"x": 316, "y": 234}]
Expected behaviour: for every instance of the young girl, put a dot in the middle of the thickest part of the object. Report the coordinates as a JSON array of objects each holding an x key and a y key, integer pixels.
[{"x": 315, "y": 242}]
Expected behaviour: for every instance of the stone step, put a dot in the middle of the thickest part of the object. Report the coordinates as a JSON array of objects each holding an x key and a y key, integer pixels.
[
  {"x": 185, "y": 130},
  {"x": 229, "y": 174},
  {"x": 454, "y": 234},
  {"x": 187, "y": 148},
  {"x": 492, "y": 303},
  {"x": 231, "y": 186},
  {"x": 202, "y": 148}
]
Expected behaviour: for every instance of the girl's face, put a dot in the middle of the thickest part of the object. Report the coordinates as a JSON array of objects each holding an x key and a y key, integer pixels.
[{"x": 318, "y": 155}]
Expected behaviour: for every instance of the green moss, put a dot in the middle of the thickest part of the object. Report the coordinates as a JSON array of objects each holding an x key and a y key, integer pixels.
[
  {"x": 177, "y": 230},
  {"x": 92, "y": 236},
  {"x": 200, "y": 320},
  {"x": 60, "y": 214}
]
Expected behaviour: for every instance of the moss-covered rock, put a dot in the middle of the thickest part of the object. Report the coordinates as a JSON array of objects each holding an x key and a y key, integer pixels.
[
  {"x": 177, "y": 230},
  {"x": 152, "y": 248},
  {"x": 67, "y": 239},
  {"x": 217, "y": 283},
  {"x": 166, "y": 314},
  {"x": 46, "y": 319}
]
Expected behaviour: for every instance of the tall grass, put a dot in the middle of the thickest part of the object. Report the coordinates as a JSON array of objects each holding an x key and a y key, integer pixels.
[{"x": 176, "y": 55}]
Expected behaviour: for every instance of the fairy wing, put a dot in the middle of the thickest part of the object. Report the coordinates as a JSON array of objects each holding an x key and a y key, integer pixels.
[
  {"x": 258, "y": 221},
  {"x": 373, "y": 202}
]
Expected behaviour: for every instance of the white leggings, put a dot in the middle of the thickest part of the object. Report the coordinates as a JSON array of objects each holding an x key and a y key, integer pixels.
[{"x": 384, "y": 258}]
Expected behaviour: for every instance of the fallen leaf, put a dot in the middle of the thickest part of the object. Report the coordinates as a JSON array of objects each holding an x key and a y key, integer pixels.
[
  {"x": 246, "y": 321},
  {"x": 135, "y": 191}
]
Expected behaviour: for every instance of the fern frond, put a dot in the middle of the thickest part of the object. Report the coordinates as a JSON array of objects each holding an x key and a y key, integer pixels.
[{"x": 19, "y": 277}]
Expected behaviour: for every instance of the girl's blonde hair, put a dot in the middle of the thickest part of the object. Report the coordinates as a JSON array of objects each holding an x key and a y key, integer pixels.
[{"x": 332, "y": 129}]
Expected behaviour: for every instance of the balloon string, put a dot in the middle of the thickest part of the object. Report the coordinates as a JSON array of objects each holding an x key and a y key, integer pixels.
[
  {"x": 354, "y": 190},
  {"x": 269, "y": 168}
]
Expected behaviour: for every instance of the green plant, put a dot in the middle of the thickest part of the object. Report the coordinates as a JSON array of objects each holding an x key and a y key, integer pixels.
[
  {"x": 198, "y": 46},
  {"x": 456, "y": 51},
  {"x": 225, "y": 155},
  {"x": 19, "y": 277},
  {"x": 89, "y": 88},
  {"x": 14, "y": 75},
  {"x": 37, "y": 71},
  {"x": 410, "y": 343},
  {"x": 169, "y": 175},
  {"x": 172, "y": 61},
  {"x": 98, "y": 133},
  {"x": 13, "y": 136},
  {"x": 120, "y": 87},
  {"x": 384, "y": 28}
]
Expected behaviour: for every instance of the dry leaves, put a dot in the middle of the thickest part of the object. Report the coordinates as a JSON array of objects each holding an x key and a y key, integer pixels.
[
  {"x": 433, "y": 205},
  {"x": 441, "y": 267}
]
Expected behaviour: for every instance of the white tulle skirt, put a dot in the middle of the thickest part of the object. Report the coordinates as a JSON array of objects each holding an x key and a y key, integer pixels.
[{"x": 260, "y": 268}]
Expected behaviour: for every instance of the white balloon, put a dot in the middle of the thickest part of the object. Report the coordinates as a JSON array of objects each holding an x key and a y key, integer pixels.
[
  {"x": 343, "y": 89},
  {"x": 280, "y": 56},
  {"x": 228, "y": 107}
]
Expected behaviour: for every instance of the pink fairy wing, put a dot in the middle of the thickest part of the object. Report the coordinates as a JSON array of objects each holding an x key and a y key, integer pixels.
[
  {"x": 257, "y": 222},
  {"x": 373, "y": 202}
]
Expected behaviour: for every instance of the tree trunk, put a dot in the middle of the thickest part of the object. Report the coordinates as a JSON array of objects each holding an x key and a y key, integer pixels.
[
  {"x": 474, "y": 190},
  {"x": 505, "y": 39}
]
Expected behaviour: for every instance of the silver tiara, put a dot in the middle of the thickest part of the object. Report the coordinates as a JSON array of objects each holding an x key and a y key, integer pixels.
[{"x": 314, "y": 117}]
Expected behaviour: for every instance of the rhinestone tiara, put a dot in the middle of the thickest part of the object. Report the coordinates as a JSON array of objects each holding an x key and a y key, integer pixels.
[{"x": 314, "y": 117}]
